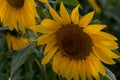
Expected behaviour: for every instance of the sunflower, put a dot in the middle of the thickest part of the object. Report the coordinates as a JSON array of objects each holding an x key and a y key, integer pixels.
[
  {"x": 18, "y": 14},
  {"x": 95, "y": 6},
  {"x": 77, "y": 48},
  {"x": 15, "y": 41}
]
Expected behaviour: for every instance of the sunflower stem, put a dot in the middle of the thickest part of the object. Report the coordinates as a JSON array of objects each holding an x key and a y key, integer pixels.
[{"x": 42, "y": 69}]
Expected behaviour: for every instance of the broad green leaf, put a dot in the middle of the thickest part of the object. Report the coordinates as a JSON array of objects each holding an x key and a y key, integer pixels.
[
  {"x": 109, "y": 74},
  {"x": 103, "y": 77},
  {"x": 17, "y": 76},
  {"x": 20, "y": 57}
]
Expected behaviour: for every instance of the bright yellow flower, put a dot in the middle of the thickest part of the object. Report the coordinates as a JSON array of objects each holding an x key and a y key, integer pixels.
[
  {"x": 16, "y": 42},
  {"x": 95, "y": 6},
  {"x": 43, "y": 1},
  {"x": 77, "y": 47},
  {"x": 18, "y": 14}
]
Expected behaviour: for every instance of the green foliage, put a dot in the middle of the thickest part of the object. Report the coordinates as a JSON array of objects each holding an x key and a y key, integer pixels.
[
  {"x": 70, "y": 2},
  {"x": 110, "y": 75},
  {"x": 19, "y": 58}
]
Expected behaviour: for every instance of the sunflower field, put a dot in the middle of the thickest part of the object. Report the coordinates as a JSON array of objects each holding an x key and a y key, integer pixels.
[{"x": 59, "y": 39}]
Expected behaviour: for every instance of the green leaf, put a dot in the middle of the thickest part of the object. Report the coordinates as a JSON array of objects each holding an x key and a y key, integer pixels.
[
  {"x": 103, "y": 77},
  {"x": 109, "y": 74},
  {"x": 50, "y": 73},
  {"x": 95, "y": 21},
  {"x": 17, "y": 76},
  {"x": 70, "y": 2},
  {"x": 20, "y": 57},
  {"x": 30, "y": 75},
  {"x": 3, "y": 76},
  {"x": 3, "y": 47}
]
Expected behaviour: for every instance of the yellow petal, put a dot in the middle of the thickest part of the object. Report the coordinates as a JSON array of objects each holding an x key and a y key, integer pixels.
[
  {"x": 104, "y": 36},
  {"x": 92, "y": 29},
  {"x": 18, "y": 42},
  {"x": 30, "y": 19},
  {"x": 4, "y": 11},
  {"x": 44, "y": 39},
  {"x": 31, "y": 8},
  {"x": 49, "y": 55},
  {"x": 63, "y": 66},
  {"x": 54, "y": 15},
  {"x": 48, "y": 26},
  {"x": 2, "y": 7},
  {"x": 92, "y": 67},
  {"x": 43, "y": 1},
  {"x": 85, "y": 20},
  {"x": 108, "y": 52},
  {"x": 95, "y": 6},
  {"x": 68, "y": 73},
  {"x": 49, "y": 45},
  {"x": 75, "y": 15},
  {"x": 112, "y": 54},
  {"x": 36, "y": 28},
  {"x": 64, "y": 14},
  {"x": 21, "y": 21},
  {"x": 98, "y": 64},
  {"x": 56, "y": 60},
  {"x": 6, "y": 18},
  {"x": 15, "y": 44},
  {"x": 102, "y": 56},
  {"x": 87, "y": 71},
  {"x": 107, "y": 35},
  {"x": 52, "y": 23},
  {"x": 81, "y": 69},
  {"x": 106, "y": 43},
  {"x": 75, "y": 71}
]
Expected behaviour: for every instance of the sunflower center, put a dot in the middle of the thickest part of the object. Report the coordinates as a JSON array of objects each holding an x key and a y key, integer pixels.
[
  {"x": 74, "y": 43},
  {"x": 16, "y": 3}
]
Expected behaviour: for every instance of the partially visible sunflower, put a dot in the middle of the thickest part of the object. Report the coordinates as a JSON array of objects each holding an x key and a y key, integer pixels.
[
  {"x": 15, "y": 41},
  {"x": 95, "y": 6},
  {"x": 18, "y": 14},
  {"x": 76, "y": 46}
]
